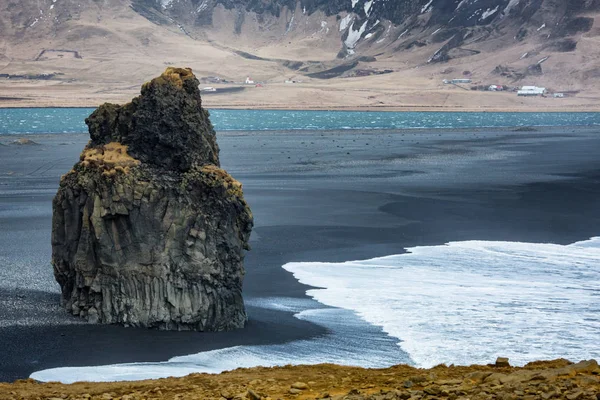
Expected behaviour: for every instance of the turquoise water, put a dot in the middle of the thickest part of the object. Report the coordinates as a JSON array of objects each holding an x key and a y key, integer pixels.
[{"x": 71, "y": 120}]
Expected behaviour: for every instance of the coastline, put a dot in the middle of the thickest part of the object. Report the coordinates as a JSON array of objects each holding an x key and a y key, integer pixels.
[
  {"x": 70, "y": 121},
  {"x": 333, "y": 108},
  {"x": 346, "y": 95},
  {"x": 312, "y": 202},
  {"x": 537, "y": 380}
]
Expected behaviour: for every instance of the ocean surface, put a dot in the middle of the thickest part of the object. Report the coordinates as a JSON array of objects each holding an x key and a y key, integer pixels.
[
  {"x": 459, "y": 303},
  {"x": 72, "y": 120}
]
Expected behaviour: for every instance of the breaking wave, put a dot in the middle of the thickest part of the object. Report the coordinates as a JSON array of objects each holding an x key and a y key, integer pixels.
[
  {"x": 458, "y": 303},
  {"x": 469, "y": 302}
]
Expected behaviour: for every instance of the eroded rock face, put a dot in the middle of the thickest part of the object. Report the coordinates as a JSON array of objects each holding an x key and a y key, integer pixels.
[{"x": 147, "y": 229}]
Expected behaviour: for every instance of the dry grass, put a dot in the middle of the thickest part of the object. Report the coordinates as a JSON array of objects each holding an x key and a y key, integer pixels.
[
  {"x": 173, "y": 76},
  {"x": 111, "y": 159},
  {"x": 126, "y": 49},
  {"x": 217, "y": 176},
  {"x": 554, "y": 379}
]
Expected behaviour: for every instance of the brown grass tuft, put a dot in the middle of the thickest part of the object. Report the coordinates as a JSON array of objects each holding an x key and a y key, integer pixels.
[
  {"x": 112, "y": 158},
  {"x": 174, "y": 76},
  {"x": 217, "y": 176},
  {"x": 548, "y": 380}
]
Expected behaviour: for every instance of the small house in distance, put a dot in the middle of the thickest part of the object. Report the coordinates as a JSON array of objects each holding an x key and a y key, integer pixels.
[
  {"x": 455, "y": 81},
  {"x": 249, "y": 81},
  {"x": 496, "y": 88},
  {"x": 531, "y": 91}
]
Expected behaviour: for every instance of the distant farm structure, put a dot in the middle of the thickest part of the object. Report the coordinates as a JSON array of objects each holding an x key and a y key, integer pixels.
[
  {"x": 455, "y": 81},
  {"x": 531, "y": 91},
  {"x": 57, "y": 53},
  {"x": 525, "y": 91}
]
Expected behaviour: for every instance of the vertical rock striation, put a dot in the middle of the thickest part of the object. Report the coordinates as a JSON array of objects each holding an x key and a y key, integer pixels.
[{"x": 147, "y": 230}]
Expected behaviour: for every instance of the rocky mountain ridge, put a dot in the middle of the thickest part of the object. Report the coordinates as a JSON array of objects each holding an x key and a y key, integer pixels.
[
  {"x": 367, "y": 24},
  {"x": 362, "y": 26},
  {"x": 420, "y": 43}
]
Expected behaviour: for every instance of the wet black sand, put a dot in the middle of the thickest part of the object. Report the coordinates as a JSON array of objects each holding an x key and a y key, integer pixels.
[{"x": 316, "y": 196}]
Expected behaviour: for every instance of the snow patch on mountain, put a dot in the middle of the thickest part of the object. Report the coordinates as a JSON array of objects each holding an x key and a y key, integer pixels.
[
  {"x": 165, "y": 3},
  {"x": 202, "y": 6},
  {"x": 324, "y": 27},
  {"x": 462, "y": 3},
  {"x": 386, "y": 35},
  {"x": 367, "y": 7},
  {"x": 489, "y": 12},
  {"x": 354, "y": 36},
  {"x": 290, "y": 24},
  {"x": 345, "y": 22},
  {"x": 426, "y": 7},
  {"x": 510, "y": 5}
]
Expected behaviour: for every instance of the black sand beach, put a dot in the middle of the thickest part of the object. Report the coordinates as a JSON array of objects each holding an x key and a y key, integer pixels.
[{"x": 316, "y": 196}]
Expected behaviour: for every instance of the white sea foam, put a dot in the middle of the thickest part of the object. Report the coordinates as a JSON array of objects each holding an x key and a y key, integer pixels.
[
  {"x": 346, "y": 333},
  {"x": 468, "y": 302},
  {"x": 462, "y": 303}
]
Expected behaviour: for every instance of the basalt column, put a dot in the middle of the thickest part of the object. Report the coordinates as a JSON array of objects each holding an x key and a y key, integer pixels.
[{"x": 147, "y": 229}]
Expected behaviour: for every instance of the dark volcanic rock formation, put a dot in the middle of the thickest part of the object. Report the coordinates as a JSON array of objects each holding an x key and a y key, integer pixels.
[{"x": 147, "y": 229}]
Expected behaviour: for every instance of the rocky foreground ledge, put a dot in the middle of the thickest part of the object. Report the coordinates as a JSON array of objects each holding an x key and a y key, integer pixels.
[{"x": 558, "y": 379}]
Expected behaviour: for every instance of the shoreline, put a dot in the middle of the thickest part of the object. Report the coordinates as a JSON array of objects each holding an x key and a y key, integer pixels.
[
  {"x": 538, "y": 380},
  {"x": 378, "y": 195},
  {"x": 522, "y": 129},
  {"x": 416, "y": 108}
]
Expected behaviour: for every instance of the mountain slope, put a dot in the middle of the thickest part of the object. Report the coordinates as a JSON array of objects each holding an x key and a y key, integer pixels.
[
  {"x": 102, "y": 48},
  {"x": 381, "y": 23}
]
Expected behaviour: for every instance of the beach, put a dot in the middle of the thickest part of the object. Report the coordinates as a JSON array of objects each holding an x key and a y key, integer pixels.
[
  {"x": 348, "y": 94},
  {"x": 327, "y": 196}
]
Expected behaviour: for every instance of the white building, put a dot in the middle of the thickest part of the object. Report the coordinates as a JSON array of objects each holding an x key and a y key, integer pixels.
[
  {"x": 455, "y": 81},
  {"x": 249, "y": 81},
  {"x": 208, "y": 89},
  {"x": 531, "y": 91}
]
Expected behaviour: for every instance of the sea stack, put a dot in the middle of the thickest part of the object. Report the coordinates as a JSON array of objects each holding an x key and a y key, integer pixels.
[{"x": 147, "y": 229}]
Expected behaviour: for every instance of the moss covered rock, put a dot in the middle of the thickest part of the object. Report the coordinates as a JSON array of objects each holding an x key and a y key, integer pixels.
[{"x": 147, "y": 229}]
